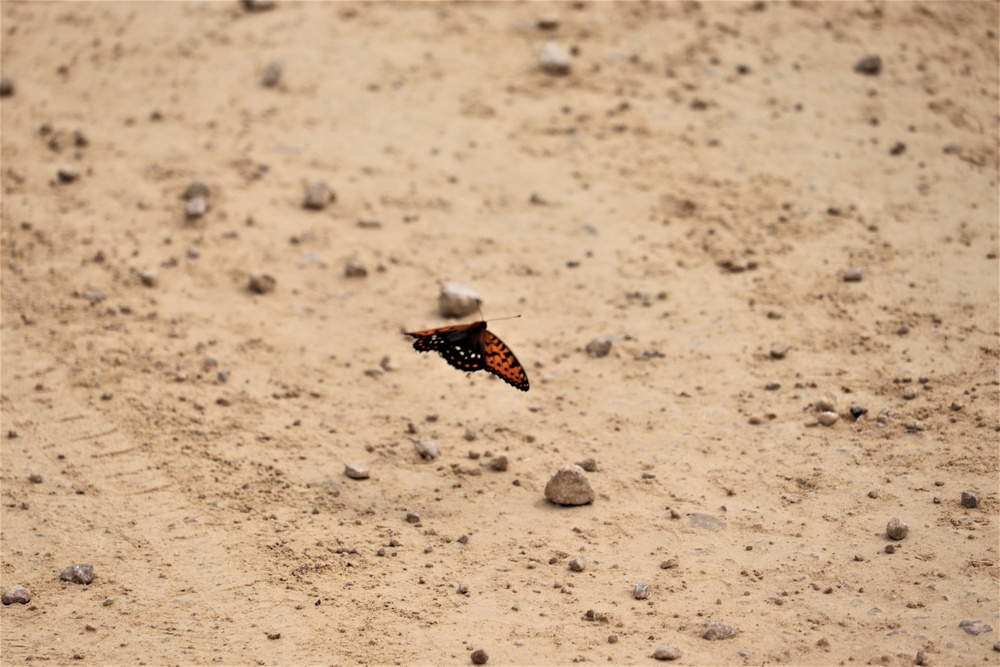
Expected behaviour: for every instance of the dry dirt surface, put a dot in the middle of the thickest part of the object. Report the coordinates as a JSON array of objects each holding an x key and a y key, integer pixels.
[{"x": 783, "y": 217}]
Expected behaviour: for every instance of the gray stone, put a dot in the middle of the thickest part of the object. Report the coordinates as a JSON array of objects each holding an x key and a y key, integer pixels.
[
  {"x": 896, "y": 529},
  {"x": 569, "y": 486},
  {"x": 458, "y": 300},
  {"x": 16, "y": 594},
  {"x": 78, "y": 573},
  {"x": 719, "y": 630},
  {"x": 666, "y": 652}
]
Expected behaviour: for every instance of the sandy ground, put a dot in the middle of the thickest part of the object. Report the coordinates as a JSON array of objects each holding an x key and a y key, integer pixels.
[{"x": 696, "y": 188}]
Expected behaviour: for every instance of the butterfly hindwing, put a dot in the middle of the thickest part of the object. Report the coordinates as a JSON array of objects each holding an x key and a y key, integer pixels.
[{"x": 501, "y": 362}]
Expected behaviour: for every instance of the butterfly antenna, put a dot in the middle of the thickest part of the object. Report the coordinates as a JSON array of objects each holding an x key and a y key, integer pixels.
[{"x": 479, "y": 305}]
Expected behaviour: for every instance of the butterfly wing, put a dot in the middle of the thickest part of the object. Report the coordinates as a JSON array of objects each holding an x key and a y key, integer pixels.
[
  {"x": 501, "y": 362},
  {"x": 460, "y": 345}
]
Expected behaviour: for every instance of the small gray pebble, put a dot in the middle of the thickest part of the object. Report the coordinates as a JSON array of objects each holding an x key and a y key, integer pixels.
[
  {"x": 16, "y": 595},
  {"x": 975, "y": 627},
  {"x": 827, "y": 418},
  {"x": 996, "y": 647},
  {"x": 273, "y": 72},
  {"x": 909, "y": 392},
  {"x": 426, "y": 449},
  {"x": 555, "y": 59},
  {"x": 719, "y": 630},
  {"x": 648, "y": 474},
  {"x": 599, "y": 347},
  {"x": 463, "y": 539},
  {"x": 577, "y": 563},
  {"x": 826, "y": 403},
  {"x": 675, "y": 513},
  {"x": 853, "y": 275},
  {"x": 921, "y": 658},
  {"x": 318, "y": 195},
  {"x": 148, "y": 277},
  {"x": 588, "y": 465},
  {"x": 354, "y": 269},
  {"x": 457, "y": 300},
  {"x": 870, "y": 65},
  {"x": 779, "y": 351},
  {"x": 499, "y": 463},
  {"x": 772, "y": 386},
  {"x": 259, "y": 5},
  {"x": 68, "y": 174},
  {"x": 262, "y": 283},
  {"x": 463, "y": 589},
  {"x": 6, "y": 86},
  {"x": 412, "y": 517},
  {"x": 666, "y": 652},
  {"x": 970, "y": 499},
  {"x": 470, "y": 434},
  {"x": 195, "y": 207},
  {"x": 669, "y": 564},
  {"x": 640, "y": 591},
  {"x": 356, "y": 471},
  {"x": 78, "y": 573},
  {"x": 106, "y": 396},
  {"x": 896, "y": 529},
  {"x": 569, "y": 486},
  {"x": 479, "y": 657},
  {"x": 197, "y": 189},
  {"x": 35, "y": 478}
]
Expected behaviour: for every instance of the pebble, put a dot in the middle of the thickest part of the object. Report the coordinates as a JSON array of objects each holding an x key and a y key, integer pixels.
[
  {"x": 896, "y": 529},
  {"x": 719, "y": 630},
  {"x": 354, "y": 269},
  {"x": 470, "y": 433},
  {"x": 479, "y": 657},
  {"x": 427, "y": 449},
  {"x": 913, "y": 425},
  {"x": 318, "y": 195},
  {"x": 827, "y": 418},
  {"x": 853, "y": 275},
  {"x": 779, "y": 351},
  {"x": 78, "y": 573},
  {"x": 909, "y": 392},
  {"x": 640, "y": 591},
  {"x": 259, "y": 5},
  {"x": 262, "y": 283},
  {"x": 197, "y": 189},
  {"x": 16, "y": 594},
  {"x": 412, "y": 517},
  {"x": 577, "y": 563},
  {"x": 666, "y": 652},
  {"x": 975, "y": 627},
  {"x": 588, "y": 465},
  {"x": 6, "y": 86},
  {"x": 555, "y": 59},
  {"x": 970, "y": 499},
  {"x": 669, "y": 564},
  {"x": 870, "y": 65},
  {"x": 921, "y": 658},
  {"x": 35, "y": 478},
  {"x": 195, "y": 207},
  {"x": 457, "y": 300},
  {"x": 148, "y": 277},
  {"x": 826, "y": 403},
  {"x": 569, "y": 486},
  {"x": 356, "y": 471},
  {"x": 599, "y": 347},
  {"x": 858, "y": 412},
  {"x": 273, "y": 72},
  {"x": 772, "y": 386},
  {"x": 499, "y": 463},
  {"x": 68, "y": 174}
]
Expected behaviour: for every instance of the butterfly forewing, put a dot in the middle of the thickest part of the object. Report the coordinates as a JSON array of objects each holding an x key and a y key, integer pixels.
[{"x": 501, "y": 362}]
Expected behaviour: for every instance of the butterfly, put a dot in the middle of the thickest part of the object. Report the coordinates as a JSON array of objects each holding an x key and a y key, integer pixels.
[{"x": 471, "y": 347}]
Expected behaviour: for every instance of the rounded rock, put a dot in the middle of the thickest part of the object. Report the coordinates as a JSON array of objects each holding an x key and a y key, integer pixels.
[
  {"x": 555, "y": 60},
  {"x": 499, "y": 463},
  {"x": 896, "y": 529},
  {"x": 479, "y": 657},
  {"x": 318, "y": 195},
  {"x": 356, "y": 471},
  {"x": 719, "y": 630},
  {"x": 827, "y": 418},
  {"x": 78, "y": 573},
  {"x": 640, "y": 591},
  {"x": 779, "y": 351},
  {"x": 569, "y": 486},
  {"x": 6, "y": 86},
  {"x": 970, "y": 499},
  {"x": 599, "y": 347},
  {"x": 262, "y": 283},
  {"x": 577, "y": 563},
  {"x": 427, "y": 449},
  {"x": 666, "y": 652},
  {"x": 16, "y": 595},
  {"x": 457, "y": 300},
  {"x": 197, "y": 189}
]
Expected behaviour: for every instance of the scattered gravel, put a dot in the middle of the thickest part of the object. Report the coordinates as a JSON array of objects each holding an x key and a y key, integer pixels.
[
  {"x": 78, "y": 573},
  {"x": 356, "y": 471},
  {"x": 719, "y": 630},
  {"x": 16, "y": 595},
  {"x": 457, "y": 300},
  {"x": 318, "y": 195},
  {"x": 577, "y": 563},
  {"x": 262, "y": 283},
  {"x": 555, "y": 60},
  {"x": 666, "y": 652},
  {"x": 569, "y": 486},
  {"x": 479, "y": 657},
  {"x": 970, "y": 499},
  {"x": 896, "y": 529}
]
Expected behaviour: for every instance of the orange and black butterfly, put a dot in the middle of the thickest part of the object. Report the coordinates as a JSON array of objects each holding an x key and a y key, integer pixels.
[{"x": 470, "y": 347}]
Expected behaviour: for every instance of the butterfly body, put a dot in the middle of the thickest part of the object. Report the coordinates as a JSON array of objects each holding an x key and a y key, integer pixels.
[{"x": 472, "y": 347}]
